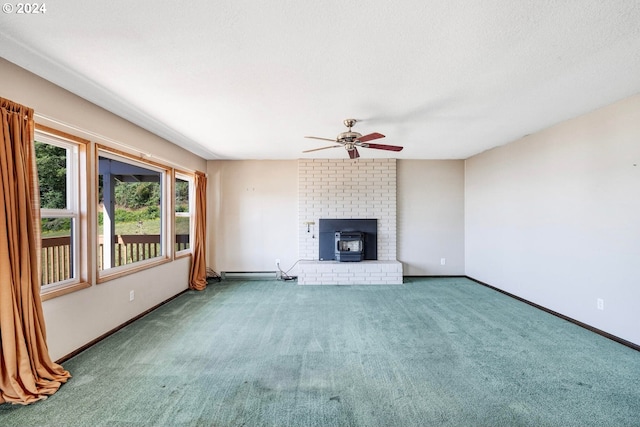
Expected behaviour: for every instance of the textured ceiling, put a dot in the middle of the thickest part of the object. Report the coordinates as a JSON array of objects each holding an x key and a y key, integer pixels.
[{"x": 246, "y": 79}]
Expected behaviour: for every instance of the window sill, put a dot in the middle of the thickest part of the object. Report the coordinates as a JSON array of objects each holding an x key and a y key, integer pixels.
[
  {"x": 134, "y": 268},
  {"x": 183, "y": 254},
  {"x": 63, "y": 290}
]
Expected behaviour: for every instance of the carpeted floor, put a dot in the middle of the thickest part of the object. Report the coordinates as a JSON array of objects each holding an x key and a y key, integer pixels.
[{"x": 430, "y": 352}]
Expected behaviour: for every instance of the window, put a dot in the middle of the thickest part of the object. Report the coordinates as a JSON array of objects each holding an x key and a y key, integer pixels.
[
  {"x": 58, "y": 160},
  {"x": 141, "y": 213},
  {"x": 183, "y": 190},
  {"x": 131, "y": 212}
]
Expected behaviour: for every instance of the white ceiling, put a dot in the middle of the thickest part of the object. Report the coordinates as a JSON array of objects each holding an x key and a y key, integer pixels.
[{"x": 248, "y": 79}]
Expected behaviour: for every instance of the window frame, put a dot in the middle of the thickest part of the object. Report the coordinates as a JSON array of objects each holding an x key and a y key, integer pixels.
[
  {"x": 106, "y": 275},
  {"x": 76, "y": 208},
  {"x": 190, "y": 178}
]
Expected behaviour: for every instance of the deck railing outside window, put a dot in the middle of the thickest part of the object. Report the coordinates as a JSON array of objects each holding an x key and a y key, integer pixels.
[{"x": 57, "y": 260}]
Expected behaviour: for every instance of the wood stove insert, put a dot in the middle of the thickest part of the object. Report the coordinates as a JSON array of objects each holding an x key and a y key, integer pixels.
[
  {"x": 349, "y": 246},
  {"x": 366, "y": 233}
]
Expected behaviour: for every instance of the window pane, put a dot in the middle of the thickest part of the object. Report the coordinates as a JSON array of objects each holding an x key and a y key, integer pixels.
[
  {"x": 183, "y": 228},
  {"x": 57, "y": 250},
  {"x": 183, "y": 220},
  {"x": 129, "y": 214},
  {"x": 182, "y": 195},
  {"x": 51, "y": 162},
  {"x": 56, "y": 161}
]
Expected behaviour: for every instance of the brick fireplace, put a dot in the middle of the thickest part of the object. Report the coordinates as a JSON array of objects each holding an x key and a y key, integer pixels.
[{"x": 344, "y": 188}]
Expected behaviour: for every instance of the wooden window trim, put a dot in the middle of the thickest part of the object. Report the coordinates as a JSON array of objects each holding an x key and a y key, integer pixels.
[
  {"x": 63, "y": 290},
  {"x": 103, "y": 276},
  {"x": 185, "y": 252},
  {"x": 131, "y": 269},
  {"x": 84, "y": 209}
]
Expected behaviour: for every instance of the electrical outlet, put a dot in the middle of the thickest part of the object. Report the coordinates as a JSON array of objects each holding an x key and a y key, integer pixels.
[
  {"x": 132, "y": 295},
  {"x": 277, "y": 262},
  {"x": 443, "y": 261},
  {"x": 600, "y": 304}
]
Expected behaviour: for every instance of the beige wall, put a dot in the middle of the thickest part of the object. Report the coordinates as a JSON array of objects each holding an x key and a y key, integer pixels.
[
  {"x": 431, "y": 217},
  {"x": 75, "y": 319},
  {"x": 555, "y": 218},
  {"x": 252, "y": 214}
]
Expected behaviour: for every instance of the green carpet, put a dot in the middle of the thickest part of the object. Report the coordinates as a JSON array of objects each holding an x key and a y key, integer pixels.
[{"x": 430, "y": 352}]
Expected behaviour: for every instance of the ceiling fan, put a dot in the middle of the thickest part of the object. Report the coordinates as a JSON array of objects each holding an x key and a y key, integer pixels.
[{"x": 352, "y": 140}]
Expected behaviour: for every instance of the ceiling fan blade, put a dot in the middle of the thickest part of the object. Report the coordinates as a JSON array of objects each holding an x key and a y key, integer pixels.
[
  {"x": 321, "y": 139},
  {"x": 353, "y": 154},
  {"x": 370, "y": 137},
  {"x": 383, "y": 147},
  {"x": 321, "y": 148}
]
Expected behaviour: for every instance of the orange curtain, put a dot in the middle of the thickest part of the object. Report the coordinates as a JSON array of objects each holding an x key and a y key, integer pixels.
[
  {"x": 198, "y": 275},
  {"x": 27, "y": 373}
]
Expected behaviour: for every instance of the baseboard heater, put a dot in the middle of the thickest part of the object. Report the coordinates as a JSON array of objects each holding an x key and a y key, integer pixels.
[{"x": 248, "y": 275}]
